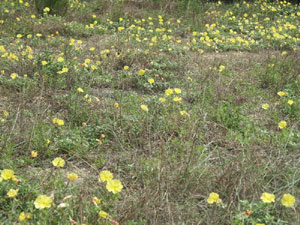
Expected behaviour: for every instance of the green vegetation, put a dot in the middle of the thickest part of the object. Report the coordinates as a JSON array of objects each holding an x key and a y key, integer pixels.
[
  {"x": 149, "y": 112},
  {"x": 55, "y": 7}
]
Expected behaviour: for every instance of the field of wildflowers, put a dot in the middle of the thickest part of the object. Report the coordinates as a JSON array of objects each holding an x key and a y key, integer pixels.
[{"x": 149, "y": 112}]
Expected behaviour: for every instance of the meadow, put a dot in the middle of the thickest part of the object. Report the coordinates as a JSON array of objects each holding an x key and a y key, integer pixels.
[{"x": 149, "y": 112}]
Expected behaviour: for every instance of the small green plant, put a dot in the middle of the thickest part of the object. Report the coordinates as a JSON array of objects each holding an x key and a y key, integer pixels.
[{"x": 228, "y": 114}]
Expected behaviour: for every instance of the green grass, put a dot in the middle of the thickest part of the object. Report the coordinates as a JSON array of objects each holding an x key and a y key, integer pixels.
[{"x": 72, "y": 86}]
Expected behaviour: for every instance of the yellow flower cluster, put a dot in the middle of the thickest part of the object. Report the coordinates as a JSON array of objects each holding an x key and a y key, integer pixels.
[
  {"x": 241, "y": 31},
  {"x": 64, "y": 70},
  {"x": 287, "y": 200},
  {"x": 112, "y": 185},
  {"x": 24, "y": 216}
]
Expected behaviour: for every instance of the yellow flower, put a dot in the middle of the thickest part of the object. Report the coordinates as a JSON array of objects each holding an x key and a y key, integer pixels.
[
  {"x": 177, "y": 99},
  {"x": 64, "y": 70},
  {"x": 290, "y": 102},
  {"x": 103, "y": 214},
  {"x": 151, "y": 80},
  {"x": 34, "y": 154},
  {"x": 22, "y": 216},
  {"x": 114, "y": 186},
  {"x": 184, "y": 113},
  {"x": 28, "y": 216},
  {"x": 46, "y": 9},
  {"x": 43, "y": 201},
  {"x": 284, "y": 53},
  {"x": 12, "y": 193},
  {"x": 144, "y": 107},
  {"x": 14, "y": 75},
  {"x": 2, "y": 49},
  {"x": 267, "y": 197},
  {"x": 58, "y": 162},
  {"x": 116, "y": 105},
  {"x": 121, "y": 28},
  {"x": 162, "y": 100},
  {"x": 221, "y": 68},
  {"x": 169, "y": 92},
  {"x": 80, "y": 90},
  {"x": 96, "y": 200},
  {"x": 282, "y": 93},
  {"x": 72, "y": 176},
  {"x": 282, "y": 124},
  {"x": 265, "y": 106},
  {"x": 142, "y": 72},
  {"x": 105, "y": 175},
  {"x": 126, "y": 67},
  {"x": 44, "y": 63},
  {"x": 177, "y": 90},
  {"x": 7, "y": 174},
  {"x": 60, "y": 59},
  {"x": 58, "y": 122},
  {"x": 15, "y": 179},
  {"x": 213, "y": 198},
  {"x": 5, "y": 113},
  {"x": 288, "y": 200}
]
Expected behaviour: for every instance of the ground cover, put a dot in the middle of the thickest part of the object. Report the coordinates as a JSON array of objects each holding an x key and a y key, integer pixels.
[{"x": 147, "y": 112}]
